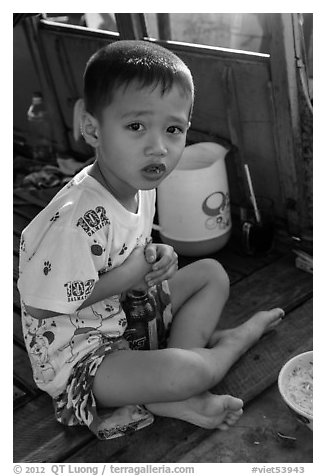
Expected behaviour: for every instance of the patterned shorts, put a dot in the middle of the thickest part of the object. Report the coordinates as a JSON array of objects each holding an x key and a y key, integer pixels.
[{"x": 77, "y": 405}]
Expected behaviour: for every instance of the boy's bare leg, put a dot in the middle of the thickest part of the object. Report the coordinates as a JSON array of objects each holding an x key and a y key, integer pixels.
[
  {"x": 198, "y": 295},
  {"x": 204, "y": 409},
  {"x": 174, "y": 382},
  {"x": 202, "y": 282}
]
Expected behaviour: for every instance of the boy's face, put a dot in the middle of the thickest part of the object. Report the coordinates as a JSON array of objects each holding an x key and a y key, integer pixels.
[{"x": 142, "y": 136}]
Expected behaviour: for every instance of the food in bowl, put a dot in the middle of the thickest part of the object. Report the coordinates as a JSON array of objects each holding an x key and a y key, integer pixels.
[
  {"x": 301, "y": 386},
  {"x": 296, "y": 386}
]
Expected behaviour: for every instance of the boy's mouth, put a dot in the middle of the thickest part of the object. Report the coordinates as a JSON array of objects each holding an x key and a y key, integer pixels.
[{"x": 154, "y": 171}]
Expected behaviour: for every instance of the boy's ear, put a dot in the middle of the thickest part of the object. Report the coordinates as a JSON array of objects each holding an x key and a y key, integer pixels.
[{"x": 89, "y": 128}]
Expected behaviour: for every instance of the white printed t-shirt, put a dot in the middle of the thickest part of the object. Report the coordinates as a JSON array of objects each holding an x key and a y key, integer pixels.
[{"x": 82, "y": 233}]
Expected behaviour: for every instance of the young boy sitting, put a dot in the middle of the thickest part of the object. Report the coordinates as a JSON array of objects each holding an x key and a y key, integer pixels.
[{"x": 89, "y": 246}]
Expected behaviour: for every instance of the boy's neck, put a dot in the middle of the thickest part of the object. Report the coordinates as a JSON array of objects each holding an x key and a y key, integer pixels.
[{"x": 130, "y": 202}]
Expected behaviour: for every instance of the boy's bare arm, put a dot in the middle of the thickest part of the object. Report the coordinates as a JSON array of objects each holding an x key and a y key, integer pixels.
[
  {"x": 127, "y": 276},
  {"x": 130, "y": 274}
]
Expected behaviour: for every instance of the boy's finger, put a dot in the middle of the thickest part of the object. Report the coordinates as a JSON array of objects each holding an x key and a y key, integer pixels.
[
  {"x": 162, "y": 263},
  {"x": 166, "y": 262},
  {"x": 163, "y": 273},
  {"x": 156, "y": 274},
  {"x": 159, "y": 279},
  {"x": 150, "y": 253}
]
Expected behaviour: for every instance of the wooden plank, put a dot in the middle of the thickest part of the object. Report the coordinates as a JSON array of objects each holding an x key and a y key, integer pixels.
[
  {"x": 16, "y": 244},
  {"x": 287, "y": 120},
  {"x": 164, "y": 26},
  {"x": 16, "y": 296},
  {"x": 280, "y": 284},
  {"x": 67, "y": 68},
  {"x": 234, "y": 259},
  {"x": 18, "y": 393},
  {"x": 41, "y": 61},
  {"x": 38, "y": 437},
  {"x": 264, "y": 169},
  {"x": 15, "y": 266},
  {"x": 17, "y": 329},
  {"x": 21, "y": 398},
  {"x": 35, "y": 201},
  {"x": 238, "y": 265},
  {"x": 235, "y": 127},
  {"x": 148, "y": 445},
  {"x": 20, "y": 222},
  {"x": 256, "y": 436},
  {"x": 22, "y": 369},
  {"x": 131, "y": 26},
  {"x": 260, "y": 366},
  {"x": 28, "y": 210},
  {"x": 38, "y": 197}
]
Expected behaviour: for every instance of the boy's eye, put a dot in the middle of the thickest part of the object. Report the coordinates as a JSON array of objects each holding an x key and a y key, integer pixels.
[
  {"x": 135, "y": 126},
  {"x": 175, "y": 130}
]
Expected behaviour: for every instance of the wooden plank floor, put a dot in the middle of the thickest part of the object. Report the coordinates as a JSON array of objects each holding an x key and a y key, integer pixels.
[{"x": 256, "y": 283}]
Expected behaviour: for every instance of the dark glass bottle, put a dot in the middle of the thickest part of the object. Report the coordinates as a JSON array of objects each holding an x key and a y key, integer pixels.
[{"x": 140, "y": 309}]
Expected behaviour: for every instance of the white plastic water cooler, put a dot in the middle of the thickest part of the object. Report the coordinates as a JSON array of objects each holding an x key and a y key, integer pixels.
[{"x": 193, "y": 202}]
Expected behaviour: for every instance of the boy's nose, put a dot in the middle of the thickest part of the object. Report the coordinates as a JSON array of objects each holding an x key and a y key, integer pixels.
[{"x": 156, "y": 146}]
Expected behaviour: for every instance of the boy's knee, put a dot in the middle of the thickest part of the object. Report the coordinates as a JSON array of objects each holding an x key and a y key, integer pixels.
[
  {"x": 189, "y": 376},
  {"x": 216, "y": 275}
]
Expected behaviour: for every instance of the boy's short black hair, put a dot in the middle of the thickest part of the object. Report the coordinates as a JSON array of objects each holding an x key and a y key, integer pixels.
[{"x": 121, "y": 62}]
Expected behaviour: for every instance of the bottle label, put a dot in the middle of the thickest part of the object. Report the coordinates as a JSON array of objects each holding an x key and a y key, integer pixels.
[
  {"x": 137, "y": 338},
  {"x": 141, "y": 317}
]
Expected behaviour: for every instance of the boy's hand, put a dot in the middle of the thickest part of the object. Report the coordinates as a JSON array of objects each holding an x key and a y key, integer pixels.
[
  {"x": 164, "y": 260},
  {"x": 138, "y": 266}
]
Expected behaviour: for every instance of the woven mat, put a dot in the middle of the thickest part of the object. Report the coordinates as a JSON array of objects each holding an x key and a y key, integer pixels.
[{"x": 259, "y": 367}]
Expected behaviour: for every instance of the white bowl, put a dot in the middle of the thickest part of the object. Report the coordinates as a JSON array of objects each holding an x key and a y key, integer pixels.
[{"x": 295, "y": 386}]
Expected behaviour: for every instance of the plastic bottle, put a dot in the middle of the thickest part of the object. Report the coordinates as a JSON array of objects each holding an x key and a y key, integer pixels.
[
  {"x": 140, "y": 309},
  {"x": 39, "y": 129}
]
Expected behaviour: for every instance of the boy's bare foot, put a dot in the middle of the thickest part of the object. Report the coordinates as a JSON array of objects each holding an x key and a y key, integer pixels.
[
  {"x": 250, "y": 331},
  {"x": 205, "y": 410}
]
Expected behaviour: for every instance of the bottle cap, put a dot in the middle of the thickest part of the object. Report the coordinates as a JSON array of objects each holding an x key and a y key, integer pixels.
[
  {"x": 37, "y": 98},
  {"x": 137, "y": 293}
]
